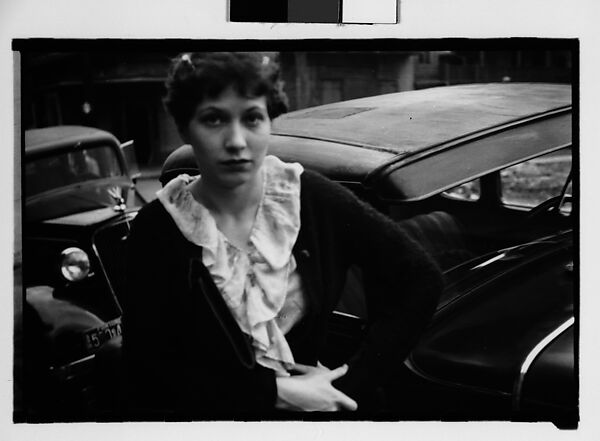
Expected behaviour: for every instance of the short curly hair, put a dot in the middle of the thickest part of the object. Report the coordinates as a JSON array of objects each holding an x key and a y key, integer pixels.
[{"x": 194, "y": 77}]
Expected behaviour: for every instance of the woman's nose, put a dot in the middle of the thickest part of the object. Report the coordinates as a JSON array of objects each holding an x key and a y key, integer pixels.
[{"x": 236, "y": 138}]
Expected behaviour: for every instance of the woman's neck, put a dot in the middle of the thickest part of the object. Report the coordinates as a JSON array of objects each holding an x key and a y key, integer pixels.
[{"x": 233, "y": 202}]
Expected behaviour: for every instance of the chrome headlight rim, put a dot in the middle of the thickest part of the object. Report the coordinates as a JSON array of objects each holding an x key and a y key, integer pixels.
[{"x": 74, "y": 264}]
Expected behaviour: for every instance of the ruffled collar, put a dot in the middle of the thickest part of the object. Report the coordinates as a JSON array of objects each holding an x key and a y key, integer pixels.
[
  {"x": 277, "y": 220},
  {"x": 254, "y": 283}
]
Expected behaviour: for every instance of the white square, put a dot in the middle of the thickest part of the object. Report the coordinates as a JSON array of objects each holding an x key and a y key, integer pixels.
[{"x": 369, "y": 11}]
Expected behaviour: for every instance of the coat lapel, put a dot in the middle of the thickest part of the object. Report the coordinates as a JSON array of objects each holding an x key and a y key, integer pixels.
[{"x": 201, "y": 284}]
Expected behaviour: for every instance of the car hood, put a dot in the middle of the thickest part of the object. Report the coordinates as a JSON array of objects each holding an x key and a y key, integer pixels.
[
  {"x": 82, "y": 202},
  {"x": 85, "y": 218},
  {"x": 494, "y": 312}
]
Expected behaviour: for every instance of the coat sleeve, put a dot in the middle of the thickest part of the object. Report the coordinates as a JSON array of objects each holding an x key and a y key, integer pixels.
[
  {"x": 148, "y": 354},
  {"x": 165, "y": 378},
  {"x": 402, "y": 286},
  {"x": 144, "y": 345}
]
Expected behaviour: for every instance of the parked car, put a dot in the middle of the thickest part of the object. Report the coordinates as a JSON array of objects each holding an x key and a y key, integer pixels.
[
  {"x": 79, "y": 198},
  {"x": 481, "y": 176}
]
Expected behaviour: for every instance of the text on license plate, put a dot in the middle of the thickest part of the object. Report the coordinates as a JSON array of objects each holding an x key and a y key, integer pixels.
[{"x": 98, "y": 336}]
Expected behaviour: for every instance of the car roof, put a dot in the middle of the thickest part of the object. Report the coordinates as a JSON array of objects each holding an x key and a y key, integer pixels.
[
  {"x": 419, "y": 143},
  {"x": 40, "y": 141},
  {"x": 408, "y": 122}
]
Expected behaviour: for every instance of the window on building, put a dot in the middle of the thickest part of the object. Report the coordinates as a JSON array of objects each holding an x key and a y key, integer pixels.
[
  {"x": 424, "y": 57},
  {"x": 387, "y": 87}
]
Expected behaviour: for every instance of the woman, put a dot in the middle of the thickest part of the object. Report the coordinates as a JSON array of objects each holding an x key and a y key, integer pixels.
[{"x": 233, "y": 274}]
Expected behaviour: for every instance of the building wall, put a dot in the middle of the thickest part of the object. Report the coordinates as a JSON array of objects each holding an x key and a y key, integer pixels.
[
  {"x": 118, "y": 92},
  {"x": 430, "y": 69},
  {"x": 553, "y": 66},
  {"x": 315, "y": 78}
]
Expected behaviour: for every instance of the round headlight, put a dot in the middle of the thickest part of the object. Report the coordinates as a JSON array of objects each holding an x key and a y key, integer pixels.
[{"x": 75, "y": 264}]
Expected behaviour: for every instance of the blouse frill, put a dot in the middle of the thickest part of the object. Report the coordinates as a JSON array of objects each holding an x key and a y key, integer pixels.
[{"x": 260, "y": 286}]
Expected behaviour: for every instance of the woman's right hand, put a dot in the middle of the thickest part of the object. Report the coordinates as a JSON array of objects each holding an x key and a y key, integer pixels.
[{"x": 311, "y": 390}]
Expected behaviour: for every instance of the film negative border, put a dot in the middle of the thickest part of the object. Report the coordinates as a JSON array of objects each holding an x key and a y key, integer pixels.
[{"x": 314, "y": 11}]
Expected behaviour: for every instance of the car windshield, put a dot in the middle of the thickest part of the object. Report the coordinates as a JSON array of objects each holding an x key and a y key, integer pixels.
[{"x": 70, "y": 167}]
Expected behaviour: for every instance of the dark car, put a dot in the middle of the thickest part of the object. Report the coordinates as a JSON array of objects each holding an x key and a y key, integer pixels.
[
  {"x": 79, "y": 198},
  {"x": 481, "y": 176}
]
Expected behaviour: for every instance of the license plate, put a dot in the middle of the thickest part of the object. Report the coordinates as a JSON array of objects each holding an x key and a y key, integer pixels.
[{"x": 98, "y": 336}]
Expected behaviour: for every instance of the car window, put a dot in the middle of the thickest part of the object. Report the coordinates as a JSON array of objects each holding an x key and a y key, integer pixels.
[
  {"x": 70, "y": 167},
  {"x": 566, "y": 205},
  {"x": 532, "y": 182},
  {"x": 469, "y": 191}
]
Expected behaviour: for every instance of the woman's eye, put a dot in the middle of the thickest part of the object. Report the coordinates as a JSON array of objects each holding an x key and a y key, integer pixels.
[
  {"x": 255, "y": 119},
  {"x": 211, "y": 120}
]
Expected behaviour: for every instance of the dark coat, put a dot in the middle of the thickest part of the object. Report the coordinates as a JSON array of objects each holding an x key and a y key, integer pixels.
[{"x": 185, "y": 354}]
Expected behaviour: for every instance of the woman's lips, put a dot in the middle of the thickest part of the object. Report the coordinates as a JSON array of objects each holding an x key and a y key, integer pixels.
[{"x": 236, "y": 164}]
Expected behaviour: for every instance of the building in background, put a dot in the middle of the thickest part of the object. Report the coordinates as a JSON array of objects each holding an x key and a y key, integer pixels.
[
  {"x": 119, "y": 91},
  {"x": 122, "y": 91},
  {"x": 313, "y": 78},
  {"x": 551, "y": 66}
]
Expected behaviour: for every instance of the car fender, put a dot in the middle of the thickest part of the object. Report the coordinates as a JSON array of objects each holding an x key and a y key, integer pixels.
[{"x": 65, "y": 325}]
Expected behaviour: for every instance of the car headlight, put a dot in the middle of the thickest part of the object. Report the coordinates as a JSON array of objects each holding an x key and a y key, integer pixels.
[{"x": 75, "y": 264}]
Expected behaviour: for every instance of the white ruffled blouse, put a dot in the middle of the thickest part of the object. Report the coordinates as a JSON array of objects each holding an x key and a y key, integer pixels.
[{"x": 260, "y": 286}]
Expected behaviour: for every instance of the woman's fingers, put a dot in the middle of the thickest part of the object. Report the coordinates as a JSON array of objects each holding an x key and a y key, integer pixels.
[
  {"x": 302, "y": 368},
  {"x": 312, "y": 390},
  {"x": 346, "y": 403},
  {"x": 337, "y": 372},
  {"x": 330, "y": 374},
  {"x": 306, "y": 369}
]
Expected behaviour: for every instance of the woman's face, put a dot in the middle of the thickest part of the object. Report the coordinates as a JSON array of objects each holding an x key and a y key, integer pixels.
[{"x": 230, "y": 136}]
